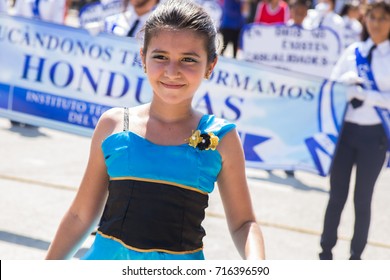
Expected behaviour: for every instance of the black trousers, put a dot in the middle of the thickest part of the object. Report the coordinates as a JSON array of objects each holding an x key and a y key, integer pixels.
[
  {"x": 365, "y": 147},
  {"x": 230, "y": 36}
]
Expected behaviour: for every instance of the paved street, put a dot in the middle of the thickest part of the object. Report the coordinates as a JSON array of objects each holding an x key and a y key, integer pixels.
[{"x": 40, "y": 170}]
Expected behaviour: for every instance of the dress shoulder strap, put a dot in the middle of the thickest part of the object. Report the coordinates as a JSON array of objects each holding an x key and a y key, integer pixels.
[
  {"x": 125, "y": 119},
  {"x": 220, "y": 127}
]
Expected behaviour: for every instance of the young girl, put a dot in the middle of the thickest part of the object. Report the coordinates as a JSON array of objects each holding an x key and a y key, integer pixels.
[
  {"x": 353, "y": 28},
  {"x": 363, "y": 140},
  {"x": 157, "y": 162}
]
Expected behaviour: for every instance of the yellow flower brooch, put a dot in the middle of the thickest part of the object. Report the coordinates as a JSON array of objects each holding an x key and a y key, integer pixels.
[{"x": 204, "y": 141}]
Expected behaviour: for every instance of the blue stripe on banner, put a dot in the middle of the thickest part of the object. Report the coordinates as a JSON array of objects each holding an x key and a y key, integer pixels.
[
  {"x": 249, "y": 143},
  {"x": 58, "y": 108},
  {"x": 4, "y": 95},
  {"x": 320, "y": 151},
  {"x": 319, "y": 111},
  {"x": 333, "y": 109}
]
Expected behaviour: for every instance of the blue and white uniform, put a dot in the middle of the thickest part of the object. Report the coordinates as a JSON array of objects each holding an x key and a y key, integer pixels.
[{"x": 121, "y": 24}]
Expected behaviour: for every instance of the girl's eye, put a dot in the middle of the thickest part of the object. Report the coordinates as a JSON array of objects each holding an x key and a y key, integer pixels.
[
  {"x": 159, "y": 57},
  {"x": 189, "y": 59}
]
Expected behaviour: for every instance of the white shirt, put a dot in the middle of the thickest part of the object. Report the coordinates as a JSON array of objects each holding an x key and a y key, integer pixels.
[
  {"x": 352, "y": 30},
  {"x": 49, "y": 10},
  {"x": 120, "y": 24},
  {"x": 315, "y": 19},
  {"x": 380, "y": 64}
]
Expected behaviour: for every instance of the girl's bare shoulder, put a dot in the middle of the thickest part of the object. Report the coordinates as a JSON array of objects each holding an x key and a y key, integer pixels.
[{"x": 110, "y": 122}]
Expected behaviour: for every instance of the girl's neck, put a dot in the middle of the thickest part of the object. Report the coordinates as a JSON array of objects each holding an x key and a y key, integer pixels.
[
  {"x": 274, "y": 4},
  {"x": 170, "y": 113},
  {"x": 378, "y": 41}
]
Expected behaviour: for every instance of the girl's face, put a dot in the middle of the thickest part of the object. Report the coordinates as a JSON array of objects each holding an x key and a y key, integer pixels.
[
  {"x": 176, "y": 63},
  {"x": 378, "y": 25}
]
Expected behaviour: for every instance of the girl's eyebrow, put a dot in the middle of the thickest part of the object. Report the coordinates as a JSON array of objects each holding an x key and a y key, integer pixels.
[{"x": 185, "y": 53}]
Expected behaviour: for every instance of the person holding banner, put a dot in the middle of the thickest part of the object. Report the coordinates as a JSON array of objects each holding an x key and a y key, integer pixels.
[
  {"x": 298, "y": 12},
  {"x": 152, "y": 167},
  {"x": 351, "y": 16},
  {"x": 323, "y": 15},
  {"x": 365, "y": 134}
]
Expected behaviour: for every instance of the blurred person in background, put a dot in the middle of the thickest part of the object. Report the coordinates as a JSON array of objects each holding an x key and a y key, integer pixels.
[
  {"x": 130, "y": 21},
  {"x": 323, "y": 15},
  {"x": 252, "y": 10},
  {"x": 272, "y": 12},
  {"x": 48, "y": 10},
  {"x": 234, "y": 14},
  {"x": 298, "y": 12},
  {"x": 363, "y": 143},
  {"x": 351, "y": 16}
]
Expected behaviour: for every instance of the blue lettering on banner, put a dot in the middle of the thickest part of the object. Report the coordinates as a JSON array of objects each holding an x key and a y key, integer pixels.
[
  {"x": 204, "y": 104},
  {"x": 58, "y": 108},
  {"x": 4, "y": 93},
  {"x": 306, "y": 51},
  {"x": 61, "y": 74}
]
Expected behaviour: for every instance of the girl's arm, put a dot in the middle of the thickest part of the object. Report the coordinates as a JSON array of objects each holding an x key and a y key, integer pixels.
[
  {"x": 87, "y": 206},
  {"x": 235, "y": 196}
]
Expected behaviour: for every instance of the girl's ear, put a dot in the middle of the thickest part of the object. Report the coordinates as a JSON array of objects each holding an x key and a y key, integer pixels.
[
  {"x": 210, "y": 68},
  {"x": 141, "y": 52},
  {"x": 212, "y": 64}
]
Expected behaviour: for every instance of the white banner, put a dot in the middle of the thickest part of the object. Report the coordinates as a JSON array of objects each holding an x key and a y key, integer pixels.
[
  {"x": 64, "y": 78},
  {"x": 313, "y": 52}
]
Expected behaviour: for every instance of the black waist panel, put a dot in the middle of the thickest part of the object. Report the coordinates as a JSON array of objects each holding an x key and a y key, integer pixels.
[{"x": 154, "y": 216}]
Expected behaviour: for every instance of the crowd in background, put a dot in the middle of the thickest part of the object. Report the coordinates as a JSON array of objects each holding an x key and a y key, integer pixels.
[
  {"x": 128, "y": 16},
  {"x": 344, "y": 17}
]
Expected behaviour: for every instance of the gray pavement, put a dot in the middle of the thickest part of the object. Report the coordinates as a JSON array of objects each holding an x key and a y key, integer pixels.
[{"x": 40, "y": 170}]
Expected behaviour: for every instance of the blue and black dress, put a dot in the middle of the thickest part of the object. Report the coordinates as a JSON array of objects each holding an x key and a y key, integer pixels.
[{"x": 157, "y": 196}]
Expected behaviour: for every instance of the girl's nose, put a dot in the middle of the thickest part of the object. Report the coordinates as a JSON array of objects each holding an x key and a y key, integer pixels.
[{"x": 172, "y": 70}]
